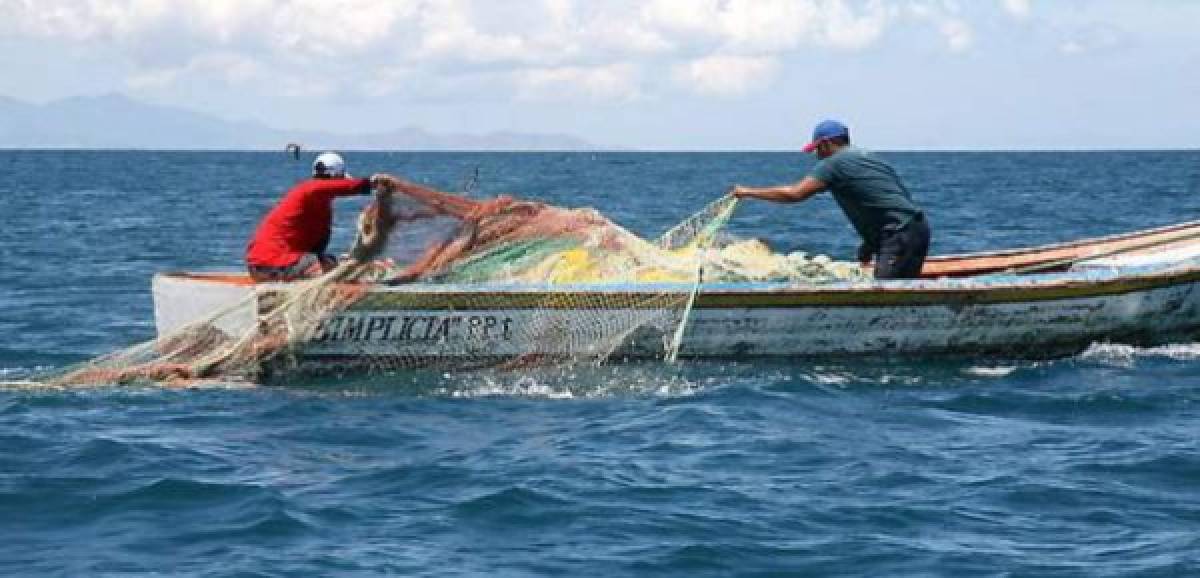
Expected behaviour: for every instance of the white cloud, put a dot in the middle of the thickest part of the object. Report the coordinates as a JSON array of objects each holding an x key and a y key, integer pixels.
[
  {"x": 944, "y": 16},
  {"x": 336, "y": 27},
  {"x": 610, "y": 82},
  {"x": 763, "y": 25},
  {"x": 608, "y": 32},
  {"x": 225, "y": 21},
  {"x": 322, "y": 26},
  {"x": 390, "y": 80},
  {"x": 1091, "y": 39},
  {"x": 81, "y": 21},
  {"x": 232, "y": 68},
  {"x": 957, "y": 33},
  {"x": 1018, "y": 8},
  {"x": 768, "y": 25},
  {"x": 725, "y": 75},
  {"x": 544, "y": 48},
  {"x": 449, "y": 32},
  {"x": 848, "y": 30},
  {"x": 1071, "y": 47}
]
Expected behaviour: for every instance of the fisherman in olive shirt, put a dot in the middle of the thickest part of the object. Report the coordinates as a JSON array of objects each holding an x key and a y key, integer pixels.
[{"x": 892, "y": 226}]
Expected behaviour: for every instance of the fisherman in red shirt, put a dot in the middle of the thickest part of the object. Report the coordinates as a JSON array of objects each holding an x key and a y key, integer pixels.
[{"x": 291, "y": 240}]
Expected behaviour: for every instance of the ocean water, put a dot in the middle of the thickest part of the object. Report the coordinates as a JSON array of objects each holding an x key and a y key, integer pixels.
[{"x": 1083, "y": 466}]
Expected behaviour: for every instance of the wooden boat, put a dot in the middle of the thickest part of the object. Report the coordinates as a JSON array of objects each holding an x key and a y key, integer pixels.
[{"x": 1136, "y": 288}]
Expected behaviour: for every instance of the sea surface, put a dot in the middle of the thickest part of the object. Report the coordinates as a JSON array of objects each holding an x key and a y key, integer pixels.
[{"x": 1083, "y": 466}]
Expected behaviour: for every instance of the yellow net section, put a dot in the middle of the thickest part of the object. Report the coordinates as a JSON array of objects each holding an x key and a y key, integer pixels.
[{"x": 437, "y": 279}]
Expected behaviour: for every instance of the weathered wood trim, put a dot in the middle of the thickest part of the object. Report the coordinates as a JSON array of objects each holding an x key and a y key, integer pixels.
[{"x": 865, "y": 296}]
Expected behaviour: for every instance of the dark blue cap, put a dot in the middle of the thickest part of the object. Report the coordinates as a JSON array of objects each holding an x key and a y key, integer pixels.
[{"x": 826, "y": 130}]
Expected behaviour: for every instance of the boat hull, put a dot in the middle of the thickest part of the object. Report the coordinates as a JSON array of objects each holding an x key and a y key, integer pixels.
[
  {"x": 776, "y": 323},
  {"x": 1138, "y": 288},
  {"x": 1042, "y": 316}
]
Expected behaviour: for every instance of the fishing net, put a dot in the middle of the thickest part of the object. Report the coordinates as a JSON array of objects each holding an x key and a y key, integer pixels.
[{"x": 435, "y": 278}]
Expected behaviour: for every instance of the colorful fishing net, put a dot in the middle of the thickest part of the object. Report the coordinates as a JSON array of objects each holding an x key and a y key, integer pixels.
[{"x": 578, "y": 287}]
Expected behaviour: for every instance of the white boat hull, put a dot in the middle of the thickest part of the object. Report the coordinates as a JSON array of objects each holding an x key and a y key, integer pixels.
[
  {"x": 1022, "y": 328},
  {"x": 1035, "y": 316}
]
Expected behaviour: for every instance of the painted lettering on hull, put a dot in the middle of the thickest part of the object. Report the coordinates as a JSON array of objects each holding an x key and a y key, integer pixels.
[{"x": 415, "y": 328}]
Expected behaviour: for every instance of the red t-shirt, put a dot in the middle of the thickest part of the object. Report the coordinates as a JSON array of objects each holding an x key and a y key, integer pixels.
[{"x": 301, "y": 223}]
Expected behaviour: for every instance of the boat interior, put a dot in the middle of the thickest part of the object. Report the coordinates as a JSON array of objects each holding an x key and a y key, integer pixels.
[
  {"x": 1054, "y": 258},
  {"x": 1060, "y": 257}
]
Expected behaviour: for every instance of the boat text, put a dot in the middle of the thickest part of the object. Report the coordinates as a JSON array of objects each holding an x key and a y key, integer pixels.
[{"x": 414, "y": 328}]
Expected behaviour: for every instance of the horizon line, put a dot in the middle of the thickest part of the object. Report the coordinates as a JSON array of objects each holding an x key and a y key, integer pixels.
[{"x": 8, "y": 148}]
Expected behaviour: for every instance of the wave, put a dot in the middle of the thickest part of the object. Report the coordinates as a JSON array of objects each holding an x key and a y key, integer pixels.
[
  {"x": 23, "y": 377},
  {"x": 572, "y": 383},
  {"x": 20, "y": 371},
  {"x": 990, "y": 371},
  {"x": 1127, "y": 355},
  {"x": 558, "y": 382}
]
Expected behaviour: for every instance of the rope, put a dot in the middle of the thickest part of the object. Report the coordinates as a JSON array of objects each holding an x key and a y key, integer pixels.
[
  {"x": 677, "y": 340},
  {"x": 723, "y": 209}
]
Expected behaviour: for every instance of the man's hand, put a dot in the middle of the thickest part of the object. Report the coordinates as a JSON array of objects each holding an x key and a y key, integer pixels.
[
  {"x": 384, "y": 181},
  {"x": 740, "y": 192}
]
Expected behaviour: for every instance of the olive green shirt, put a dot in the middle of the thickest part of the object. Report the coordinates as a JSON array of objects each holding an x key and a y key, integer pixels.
[{"x": 868, "y": 190}]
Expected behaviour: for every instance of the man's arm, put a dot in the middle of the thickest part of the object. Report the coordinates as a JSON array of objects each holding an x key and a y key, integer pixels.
[
  {"x": 344, "y": 187},
  {"x": 793, "y": 193}
]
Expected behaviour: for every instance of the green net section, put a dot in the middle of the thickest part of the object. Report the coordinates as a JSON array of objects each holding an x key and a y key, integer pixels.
[{"x": 435, "y": 279}]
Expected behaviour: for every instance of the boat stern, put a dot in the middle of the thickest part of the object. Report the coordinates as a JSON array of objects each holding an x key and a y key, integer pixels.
[{"x": 227, "y": 300}]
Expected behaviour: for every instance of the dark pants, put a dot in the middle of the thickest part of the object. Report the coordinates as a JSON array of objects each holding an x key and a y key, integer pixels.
[
  {"x": 309, "y": 266},
  {"x": 902, "y": 250}
]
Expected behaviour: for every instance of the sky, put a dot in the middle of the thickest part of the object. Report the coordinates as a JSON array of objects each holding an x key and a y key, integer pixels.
[{"x": 648, "y": 74}]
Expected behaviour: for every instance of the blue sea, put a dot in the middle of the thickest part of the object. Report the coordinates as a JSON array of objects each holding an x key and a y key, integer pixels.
[{"x": 1083, "y": 466}]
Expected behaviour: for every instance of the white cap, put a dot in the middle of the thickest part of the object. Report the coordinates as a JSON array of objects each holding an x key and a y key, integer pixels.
[{"x": 329, "y": 165}]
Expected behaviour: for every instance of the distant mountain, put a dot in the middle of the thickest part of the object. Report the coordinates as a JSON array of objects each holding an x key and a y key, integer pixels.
[{"x": 117, "y": 121}]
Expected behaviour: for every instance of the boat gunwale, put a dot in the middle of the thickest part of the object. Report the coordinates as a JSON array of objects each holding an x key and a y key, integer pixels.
[
  {"x": 989, "y": 262},
  {"x": 914, "y": 294},
  {"x": 1019, "y": 251},
  {"x": 948, "y": 290},
  {"x": 907, "y": 294}
]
